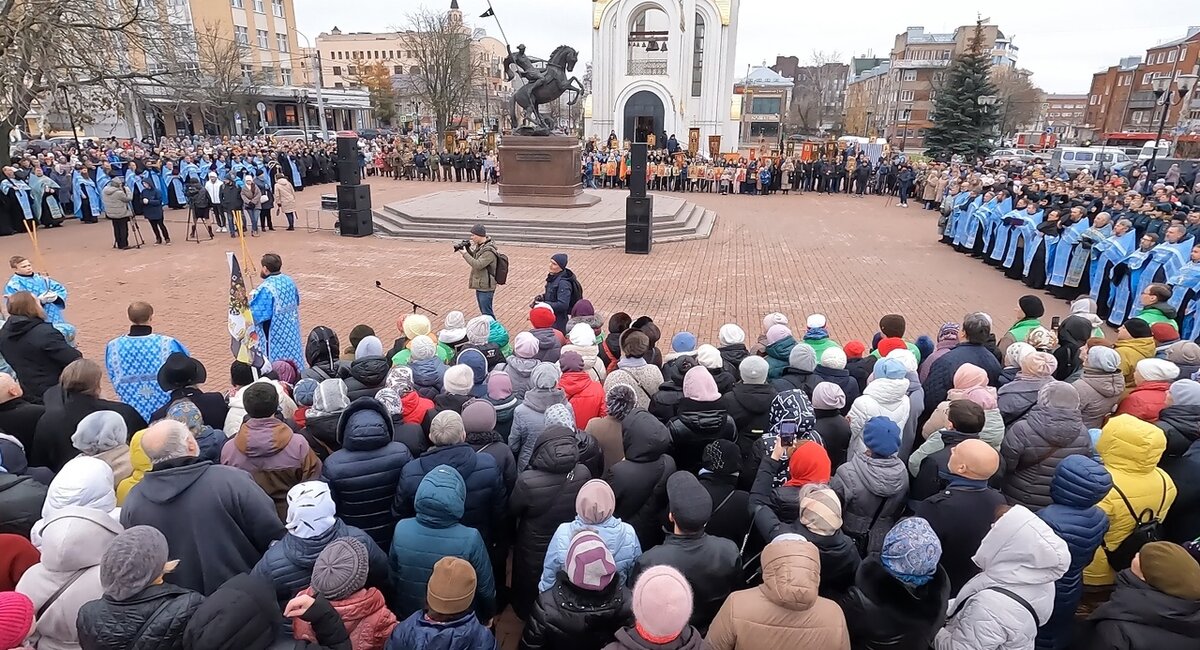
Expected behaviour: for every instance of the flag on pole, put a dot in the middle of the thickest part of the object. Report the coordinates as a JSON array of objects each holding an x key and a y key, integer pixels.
[
  {"x": 244, "y": 339},
  {"x": 487, "y": 13}
]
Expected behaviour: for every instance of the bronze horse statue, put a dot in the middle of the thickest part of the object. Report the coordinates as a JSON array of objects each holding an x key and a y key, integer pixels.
[{"x": 543, "y": 87}]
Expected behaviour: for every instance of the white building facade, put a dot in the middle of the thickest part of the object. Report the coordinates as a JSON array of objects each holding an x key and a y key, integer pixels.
[{"x": 664, "y": 67}]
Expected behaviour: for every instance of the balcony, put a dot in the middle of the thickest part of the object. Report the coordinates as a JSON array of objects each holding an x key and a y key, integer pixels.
[{"x": 647, "y": 68}]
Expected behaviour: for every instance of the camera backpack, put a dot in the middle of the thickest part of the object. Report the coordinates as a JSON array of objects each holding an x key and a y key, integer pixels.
[{"x": 500, "y": 273}]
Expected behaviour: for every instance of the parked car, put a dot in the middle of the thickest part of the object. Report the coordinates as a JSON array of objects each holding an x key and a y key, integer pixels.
[
  {"x": 293, "y": 135},
  {"x": 1073, "y": 159},
  {"x": 1001, "y": 156}
]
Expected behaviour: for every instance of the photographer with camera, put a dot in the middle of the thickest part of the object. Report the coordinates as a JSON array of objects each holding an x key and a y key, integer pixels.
[
  {"x": 116, "y": 197},
  {"x": 480, "y": 252}
]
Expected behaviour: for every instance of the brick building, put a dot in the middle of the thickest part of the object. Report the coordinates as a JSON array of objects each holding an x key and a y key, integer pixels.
[
  {"x": 1063, "y": 115},
  {"x": 1121, "y": 97}
]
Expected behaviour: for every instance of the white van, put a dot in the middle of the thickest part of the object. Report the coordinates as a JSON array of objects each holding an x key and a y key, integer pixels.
[
  {"x": 1147, "y": 152},
  {"x": 1073, "y": 159}
]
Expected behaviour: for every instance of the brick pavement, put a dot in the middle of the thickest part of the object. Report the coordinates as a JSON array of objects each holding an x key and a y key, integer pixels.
[{"x": 852, "y": 259}]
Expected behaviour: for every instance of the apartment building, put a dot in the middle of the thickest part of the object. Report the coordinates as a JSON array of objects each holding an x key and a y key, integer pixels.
[{"x": 1121, "y": 97}]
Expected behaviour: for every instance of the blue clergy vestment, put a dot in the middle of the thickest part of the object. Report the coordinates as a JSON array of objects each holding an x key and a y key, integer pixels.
[
  {"x": 37, "y": 284},
  {"x": 275, "y": 305},
  {"x": 133, "y": 363}
]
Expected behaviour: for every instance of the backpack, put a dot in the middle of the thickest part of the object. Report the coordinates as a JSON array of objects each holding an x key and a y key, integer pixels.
[
  {"x": 576, "y": 292},
  {"x": 500, "y": 273},
  {"x": 1149, "y": 528}
]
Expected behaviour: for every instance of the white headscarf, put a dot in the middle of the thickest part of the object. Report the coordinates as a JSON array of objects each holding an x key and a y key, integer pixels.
[
  {"x": 331, "y": 397},
  {"x": 84, "y": 481},
  {"x": 310, "y": 510}
]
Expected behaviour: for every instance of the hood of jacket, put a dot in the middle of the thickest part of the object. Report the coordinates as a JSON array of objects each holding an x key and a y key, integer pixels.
[
  {"x": 540, "y": 399},
  {"x": 883, "y": 477},
  {"x": 1057, "y": 426},
  {"x": 367, "y": 433},
  {"x": 1021, "y": 549},
  {"x": 547, "y": 338},
  {"x": 83, "y": 481},
  {"x": 707, "y": 417},
  {"x": 1107, "y": 384},
  {"x": 370, "y": 371},
  {"x": 1130, "y": 445},
  {"x": 17, "y": 326},
  {"x": 441, "y": 498},
  {"x": 261, "y": 437},
  {"x": 791, "y": 572},
  {"x": 646, "y": 377},
  {"x": 782, "y": 349},
  {"x": 521, "y": 367},
  {"x": 1135, "y": 601},
  {"x": 427, "y": 372},
  {"x": 888, "y": 392},
  {"x": 555, "y": 451},
  {"x": 754, "y": 398},
  {"x": 165, "y": 485},
  {"x": 474, "y": 359},
  {"x": 76, "y": 538},
  {"x": 322, "y": 348},
  {"x": 1184, "y": 418},
  {"x": 1079, "y": 482},
  {"x": 574, "y": 383},
  {"x": 303, "y": 551},
  {"x": 645, "y": 438},
  {"x": 1144, "y": 347}
]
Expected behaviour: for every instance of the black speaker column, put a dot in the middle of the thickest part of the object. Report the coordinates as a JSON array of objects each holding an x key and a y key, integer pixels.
[
  {"x": 639, "y": 206},
  {"x": 354, "y": 199}
]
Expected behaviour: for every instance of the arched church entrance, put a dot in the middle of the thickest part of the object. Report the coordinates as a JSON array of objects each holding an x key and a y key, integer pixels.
[{"x": 644, "y": 114}]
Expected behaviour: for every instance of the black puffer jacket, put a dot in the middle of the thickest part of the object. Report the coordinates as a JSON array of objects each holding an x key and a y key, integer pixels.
[
  {"x": 731, "y": 507},
  {"x": 883, "y": 613},
  {"x": 321, "y": 432},
  {"x": 288, "y": 564},
  {"x": 37, "y": 353},
  {"x": 64, "y": 411},
  {"x": 367, "y": 376},
  {"x": 796, "y": 379},
  {"x": 21, "y": 500},
  {"x": 1181, "y": 424},
  {"x": 565, "y": 616},
  {"x": 696, "y": 425},
  {"x": 1034, "y": 446},
  {"x": 664, "y": 405},
  {"x": 543, "y": 498},
  {"x": 750, "y": 407},
  {"x": 640, "y": 480},
  {"x": 733, "y": 355},
  {"x": 152, "y": 620},
  {"x": 711, "y": 564},
  {"x": 1141, "y": 617},
  {"x": 365, "y": 473}
]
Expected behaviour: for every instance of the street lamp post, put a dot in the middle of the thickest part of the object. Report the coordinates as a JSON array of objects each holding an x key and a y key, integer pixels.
[
  {"x": 904, "y": 136},
  {"x": 318, "y": 82},
  {"x": 869, "y": 126},
  {"x": 984, "y": 102},
  {"x": 1164, "y": 97}
]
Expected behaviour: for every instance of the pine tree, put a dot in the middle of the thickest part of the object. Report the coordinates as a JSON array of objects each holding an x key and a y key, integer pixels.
[{"x": 960, "y": 124}]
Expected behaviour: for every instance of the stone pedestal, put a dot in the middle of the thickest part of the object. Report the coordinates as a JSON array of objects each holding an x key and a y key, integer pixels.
[{"x": 540, "y": 172}]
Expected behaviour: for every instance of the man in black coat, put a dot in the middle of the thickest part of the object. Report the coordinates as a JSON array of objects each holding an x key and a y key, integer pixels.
[
  {"x": 964, "y": 420},
  {"x": 229, "y": 522},
  {"x": 18, "y": 417},
  {"x": 711, "y": 564},
  {"x": 180, "y": 377},
  {"x": 977, "y": 328},
  {"x": 560, "y": 290},
  {"x": 963, "y": 513}
]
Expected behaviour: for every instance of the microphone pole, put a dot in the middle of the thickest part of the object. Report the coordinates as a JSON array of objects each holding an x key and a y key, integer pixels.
[{"x": 415, "y": 305}]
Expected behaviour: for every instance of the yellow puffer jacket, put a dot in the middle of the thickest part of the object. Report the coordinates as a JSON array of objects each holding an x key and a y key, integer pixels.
[
  {"x": 1132, "y": 351},
  {"x": 1130, "y": 450},
  {"x": 141, "y": 464}
]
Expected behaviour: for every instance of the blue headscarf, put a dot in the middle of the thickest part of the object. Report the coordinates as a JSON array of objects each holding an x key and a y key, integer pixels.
[{"x": 911, "y": 552}]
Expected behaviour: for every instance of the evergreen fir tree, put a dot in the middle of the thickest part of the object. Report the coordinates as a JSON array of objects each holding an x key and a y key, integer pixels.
[{"x": 960, "y": 124}]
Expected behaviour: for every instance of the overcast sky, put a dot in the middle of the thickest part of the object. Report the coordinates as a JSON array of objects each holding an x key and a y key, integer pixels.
[{"x": 1063, "y": 43}]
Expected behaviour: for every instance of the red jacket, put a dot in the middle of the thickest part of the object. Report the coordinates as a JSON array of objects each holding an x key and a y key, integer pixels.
[
  {"x": 415, "y": 407},
  {"x": 366, "y": 617},
  {"x": 1145, "y": 402},
  {"x": 585, "y": 395}
]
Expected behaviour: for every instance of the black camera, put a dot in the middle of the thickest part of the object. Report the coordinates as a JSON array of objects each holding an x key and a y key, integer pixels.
[{"x": 461, "y": 245}]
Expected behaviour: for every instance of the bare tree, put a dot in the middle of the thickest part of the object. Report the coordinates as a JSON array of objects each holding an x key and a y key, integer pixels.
[
  {"x": 376, "y": 77},
  {"x": 448, "y": 70},
  {"x": 121, "y": 52},
  {"x": 817, "y": 91},
  {"x": 1019, "y": 99},
  {"x": 228, "y": 82}
]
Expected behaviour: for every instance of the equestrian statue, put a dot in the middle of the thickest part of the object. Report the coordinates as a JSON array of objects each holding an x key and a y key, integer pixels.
[{"x": 545, "y": 81}]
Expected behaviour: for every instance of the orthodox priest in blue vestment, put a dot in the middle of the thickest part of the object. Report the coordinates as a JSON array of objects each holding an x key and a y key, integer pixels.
[
  {"x": 133, "y": 362},
  {"x": 1166, "y": 259},
  {"x": 1185, "y": 290},
  {"x": 1105, "y": 256},
  {"x": 1126, "y": 282},
  {"x": 275, "y": 305},
  {"x": 50, "y": 293}
]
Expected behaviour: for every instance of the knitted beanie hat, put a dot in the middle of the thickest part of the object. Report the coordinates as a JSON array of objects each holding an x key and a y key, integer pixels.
[
  {"x": 570, "y": 361},
  {"x": 525, "y": 346},
  {"x": 595, "y": 502},
  {"x": 754, "y": 370},
  {"x": 545, "y": 376},
  {"x": 834, "y": 358},
  {"x": 731, "y": 334},
  {"x": 828, "y": 396},
  {"x": 458, "y": 380},
  {"x": 777, "y": 333},
  {"x": 722, "y": 457},
  {"x": 133, "y": 560},
  {"x": 423, "y": 348},
  {"x": 499, "y": 386},
  {"x": 683, "y": 342},
  {"x": 341, "y": 569},
  {"x": 881, "y": 436},
  {"x": 1170, "y": 569},
  {"x": 479, "y": 416},
  {"x": 590, "y": 565},
  {"x": 662, "y": 603},
  {"x": 16, "y": 618}
]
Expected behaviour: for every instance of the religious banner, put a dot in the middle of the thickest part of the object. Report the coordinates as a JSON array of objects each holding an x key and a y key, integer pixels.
[
  {"x": 491, "y": 141},
  {"x": 714, "y": 145},
  {"x": 693, "y": 141},
  {"x": 808, "y": 152},
  {"x": 244, "y": 338},
  {"x": 451, "y": 141},
  {"x": 791, "y": 149}
]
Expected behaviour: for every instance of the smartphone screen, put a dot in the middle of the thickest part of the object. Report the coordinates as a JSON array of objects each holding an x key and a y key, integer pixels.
[
  {"x": 787, "y": 433},
  {"x": 1054, "y": 323}
]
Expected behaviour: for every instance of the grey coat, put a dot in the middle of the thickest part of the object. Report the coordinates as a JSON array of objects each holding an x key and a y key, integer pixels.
[
  {"x": 861, "y": 484},
  {"x": 116, "y": 201},
  {"x": 1099, "y": 394},
  {"x": 1032, "y": 449},
  {"x": 529, "y": 421},
  {"x": 1015, "y": 398}
]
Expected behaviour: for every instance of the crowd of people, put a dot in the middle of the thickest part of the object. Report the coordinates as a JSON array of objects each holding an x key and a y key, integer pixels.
[{"x": 614, "y": 486}]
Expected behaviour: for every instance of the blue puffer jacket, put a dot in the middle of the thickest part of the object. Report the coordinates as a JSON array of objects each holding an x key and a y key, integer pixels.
[
  {"x": 941, "y": 374},
  {"x": 486, "y": 495},
  {"x": 365, "y": 473},
  {"x": 1079, "y": 484},
  {"x": 619, "y": 537},
  {"x": 466, "y": 633},
  {"x": 433, "y": 534},
  {"x": 289, "y": 562}
]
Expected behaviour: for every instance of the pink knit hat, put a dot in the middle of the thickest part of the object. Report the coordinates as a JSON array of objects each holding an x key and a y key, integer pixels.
[
  {"x": 590, "y": 564},
  {"x": 777, "y": 333},
  {"x": 525, "y": 345},
  {"x": 595, "y": 502},
  {"x": 699, "y": 385},
  {"x": 16, "y": 618},
  {"x": 662, "y": 603}
]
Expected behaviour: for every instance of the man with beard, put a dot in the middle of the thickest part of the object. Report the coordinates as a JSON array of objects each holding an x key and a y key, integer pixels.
[{"x": 275, "y": 305}]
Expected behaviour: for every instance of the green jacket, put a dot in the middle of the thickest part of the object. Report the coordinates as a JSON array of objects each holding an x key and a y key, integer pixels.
[
  {"x": 1154, "y": 315},
  {"x": 1022, "y": 328},
  {"x": 444, "y": 352},
  {"x": 819, "y": 346},
  {"x": 483, "y": 262}
]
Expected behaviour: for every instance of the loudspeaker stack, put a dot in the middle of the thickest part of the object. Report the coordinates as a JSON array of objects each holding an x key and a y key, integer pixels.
[
  {"x": 639, "y": 206},
  {"x": 354, "y": 199}
]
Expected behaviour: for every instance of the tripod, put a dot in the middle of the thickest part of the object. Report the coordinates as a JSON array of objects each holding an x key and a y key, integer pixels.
[
  {"x": 415, "y": 305},
  {"x": 193, "y": 222},
  {"x": 137, "y": 232}
]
